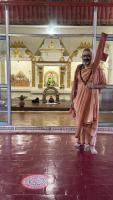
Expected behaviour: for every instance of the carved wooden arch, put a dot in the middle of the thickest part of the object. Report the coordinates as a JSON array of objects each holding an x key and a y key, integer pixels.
[{"x": 46, "y": 92}]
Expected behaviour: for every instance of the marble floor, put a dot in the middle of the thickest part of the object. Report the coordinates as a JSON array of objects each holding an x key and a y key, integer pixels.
[
  {"x": 54, "y": 118},
  {"x": 71, "y": 175}
]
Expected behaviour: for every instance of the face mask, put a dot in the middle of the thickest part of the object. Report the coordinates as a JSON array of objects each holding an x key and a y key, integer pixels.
[{"x": 86, "y": 59}]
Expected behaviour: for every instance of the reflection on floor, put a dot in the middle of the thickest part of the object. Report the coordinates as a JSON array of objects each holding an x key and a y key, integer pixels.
[
  {"x": 52, "y": 118},
  {"x": 71, "y": 175}
]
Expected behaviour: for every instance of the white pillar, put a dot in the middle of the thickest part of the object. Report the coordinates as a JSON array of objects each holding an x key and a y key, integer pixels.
[
  {"x": 8, "y": 65},
  {"x": 94, "y": 30},
  {"x": 110, "y": 68}
]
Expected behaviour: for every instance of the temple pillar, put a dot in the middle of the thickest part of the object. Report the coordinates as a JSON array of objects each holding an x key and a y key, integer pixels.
[
  {"x": 62, "y": 74},
  {"x": 110, "y": 66},
  {"x": 40, "y": 73},
  {"x": 33, "y": 73},
  {"x": 2, "y": 72},
  {"x": 69, "y": 75}
]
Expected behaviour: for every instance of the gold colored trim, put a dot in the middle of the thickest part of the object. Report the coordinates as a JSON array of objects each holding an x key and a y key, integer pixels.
[
  {"x": 53, "y": 50},
  {"x": 51, "y": 45},
  {"x": 62, "y": 73},
  {"x": 56, "y": 62},
  {"x": 69, "y": 75},
  {"x": 29, "y": 53},
  {"x": 83, "y": 45},
  {"x": 33, "y": 73},
  {"x": 19, "y": 44},
  {"x": 40, "y": 72},
  {"x": 51, "y": 71}
]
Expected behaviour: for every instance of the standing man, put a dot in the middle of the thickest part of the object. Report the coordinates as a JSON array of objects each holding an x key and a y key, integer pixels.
[{"x": 85, "y": 102}]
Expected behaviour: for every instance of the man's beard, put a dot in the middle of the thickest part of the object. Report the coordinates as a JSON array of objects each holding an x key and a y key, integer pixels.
[{"x": 86, "y": 61}]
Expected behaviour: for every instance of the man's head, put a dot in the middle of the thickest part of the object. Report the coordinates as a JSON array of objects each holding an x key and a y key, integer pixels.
[{"x": 86, "y": 56}]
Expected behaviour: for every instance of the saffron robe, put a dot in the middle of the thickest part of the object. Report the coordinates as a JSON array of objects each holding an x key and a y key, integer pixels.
[{"x": 86, "y": 100}]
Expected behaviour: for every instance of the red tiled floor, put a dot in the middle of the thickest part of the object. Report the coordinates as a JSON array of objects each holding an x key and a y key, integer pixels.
[{"x": 72, "y": 175}]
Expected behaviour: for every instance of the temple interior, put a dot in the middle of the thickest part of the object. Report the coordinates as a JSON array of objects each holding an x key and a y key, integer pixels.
[
  {"x": 41, "y": 45},
  {"x": 44, "y": 66}
]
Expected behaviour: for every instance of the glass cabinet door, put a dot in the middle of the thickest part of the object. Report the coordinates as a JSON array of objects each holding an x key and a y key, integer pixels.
[
  {"x": 3, "y": 105},
  {"x": 3, "y": 83},
  {"x": 106, "y": 106}
]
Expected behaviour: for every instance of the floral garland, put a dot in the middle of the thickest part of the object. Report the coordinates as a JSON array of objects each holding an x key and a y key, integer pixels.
[{"x": 84, "y": 81}]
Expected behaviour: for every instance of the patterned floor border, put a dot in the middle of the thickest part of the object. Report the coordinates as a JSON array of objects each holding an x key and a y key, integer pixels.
[{"x": 48, "y": 129}]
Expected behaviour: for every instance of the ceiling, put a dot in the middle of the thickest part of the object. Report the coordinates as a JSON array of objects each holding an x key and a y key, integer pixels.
[{"x": 61, "y": 12}]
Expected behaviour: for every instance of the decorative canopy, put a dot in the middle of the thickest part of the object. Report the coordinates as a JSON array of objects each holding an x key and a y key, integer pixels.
[{"x": 62, "y": 12}]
